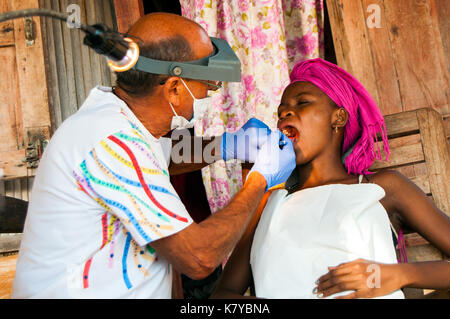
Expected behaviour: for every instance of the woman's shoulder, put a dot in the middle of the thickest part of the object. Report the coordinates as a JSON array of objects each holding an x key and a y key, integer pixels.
[
  {"x": 396, "y": 187},
  {"x": 388, "y": 179}
]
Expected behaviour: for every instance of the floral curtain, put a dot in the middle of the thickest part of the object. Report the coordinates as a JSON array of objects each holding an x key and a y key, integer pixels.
[{"x": 269, "y": 37}]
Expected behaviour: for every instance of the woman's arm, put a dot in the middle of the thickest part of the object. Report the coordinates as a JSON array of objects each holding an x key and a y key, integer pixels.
[
  {"x": 417, "y": 210},
  {"x": 371, "y": 279},
  {"x": 420, "y": 213}
]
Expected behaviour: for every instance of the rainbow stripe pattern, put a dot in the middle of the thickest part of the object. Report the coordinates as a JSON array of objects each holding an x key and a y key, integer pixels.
[{"x": 131, "y": 187}]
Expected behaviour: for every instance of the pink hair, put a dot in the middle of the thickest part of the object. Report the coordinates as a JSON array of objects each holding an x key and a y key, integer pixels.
[{"x": 365, "y": 119}]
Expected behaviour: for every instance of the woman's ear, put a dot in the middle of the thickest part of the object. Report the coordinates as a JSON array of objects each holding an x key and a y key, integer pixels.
[
  {"x": 340, "y": 118},
  {"x": 172, "y": 90}
]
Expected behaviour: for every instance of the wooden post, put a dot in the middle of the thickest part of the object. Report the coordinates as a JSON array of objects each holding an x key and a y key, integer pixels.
[
  {"x": 127, "y": 13},
  {"x": 437, "y": 156}
]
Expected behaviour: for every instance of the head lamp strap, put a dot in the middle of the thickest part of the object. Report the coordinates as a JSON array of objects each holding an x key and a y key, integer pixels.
[{"x": 223, "y": 65}]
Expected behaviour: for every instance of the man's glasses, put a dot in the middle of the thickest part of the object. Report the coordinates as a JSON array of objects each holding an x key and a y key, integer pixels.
[{"x": 212, "y": 85}]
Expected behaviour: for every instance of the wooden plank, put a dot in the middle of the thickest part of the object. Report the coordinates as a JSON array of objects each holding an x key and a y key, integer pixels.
[
  {"x": 446, "y": 119},
  {"x": 109, "y": 21},
  {"x": 10, "y": 242},
  {"x": 443, "y": 12},
  {"x": 351, "y": 40},
  {"x": 104, "y": 69},
  {"x": 93, "y": 56},
  {"x": 11, "y": 164},
  {"x": 389, "y": 101},
  {"x": 17, "y": 188},
  {"x": 51, "y": 67},
  {"x": 423, "y": 253},
  {"x": 108, "y": 10},
  {"x": 30, "y": 69},
  {"x": 127, "y": 13},
  {"x": 418, "y": 54},
  {"x": 9, "y": 106},
  {"x": 7, "y": 27},
  {"x": 403, "y": 150},
  {"x": 400, "y": 124},
  {"x": 60, "y": 66},
  {"x": 6, "y": 33},
  {"x": 7, "y": 273},
  {"x": 340, "y": 40},
  {"x": 73, "y": 54},
  {"x": 437, "y": 156},
  {"x": 414, "y": 239},
  {"x": 71, "y": 106},
  {"x": 85, "y": 61}
]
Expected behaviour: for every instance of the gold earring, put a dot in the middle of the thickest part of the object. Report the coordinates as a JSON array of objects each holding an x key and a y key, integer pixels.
[{"x": 336, "y": 129}]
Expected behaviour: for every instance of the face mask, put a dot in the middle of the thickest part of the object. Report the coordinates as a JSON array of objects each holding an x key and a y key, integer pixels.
[{"x": 200, "y": 107}]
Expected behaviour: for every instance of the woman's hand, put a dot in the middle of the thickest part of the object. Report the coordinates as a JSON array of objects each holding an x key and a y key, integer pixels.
[{"x": 368, "y": 279}]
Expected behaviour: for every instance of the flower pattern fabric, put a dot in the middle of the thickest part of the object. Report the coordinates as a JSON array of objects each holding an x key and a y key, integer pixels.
[{"x": 269, "y": 37}]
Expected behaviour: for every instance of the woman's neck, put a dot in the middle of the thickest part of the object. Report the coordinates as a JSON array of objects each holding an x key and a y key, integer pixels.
[{"x": 322, "y": 172}]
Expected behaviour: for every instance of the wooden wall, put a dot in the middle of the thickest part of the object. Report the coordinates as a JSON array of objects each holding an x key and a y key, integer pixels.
[
  {"x": 72, "y": 69},
  {"x": 404, "y": 63}
]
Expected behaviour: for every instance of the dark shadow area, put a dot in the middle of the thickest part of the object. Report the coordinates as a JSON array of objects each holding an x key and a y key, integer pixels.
[
  {"x": 171, "y": 6},
  {"x": 12, "y": 214}
]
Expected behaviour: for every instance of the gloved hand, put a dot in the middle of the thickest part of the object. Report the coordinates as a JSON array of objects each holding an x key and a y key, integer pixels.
[
  {"x": 274, "y": 163},
  {"x": 245, "y": 142}
]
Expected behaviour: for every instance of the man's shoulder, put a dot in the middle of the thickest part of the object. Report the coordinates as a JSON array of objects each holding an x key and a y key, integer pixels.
[
  {"x": 98, "y": 118},
  {"x": 101, "y": 115}
]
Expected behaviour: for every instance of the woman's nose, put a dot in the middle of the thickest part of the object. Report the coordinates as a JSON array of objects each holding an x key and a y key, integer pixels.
[{"x": 285, "y": 114}]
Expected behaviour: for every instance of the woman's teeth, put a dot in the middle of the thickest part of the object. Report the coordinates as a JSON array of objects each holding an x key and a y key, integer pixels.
[{"x": 290, "y": 132}]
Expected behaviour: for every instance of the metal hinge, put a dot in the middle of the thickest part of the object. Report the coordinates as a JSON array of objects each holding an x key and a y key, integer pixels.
[
  {"x": 30, "y": 32},
  {"x": 38, "y": 139}
]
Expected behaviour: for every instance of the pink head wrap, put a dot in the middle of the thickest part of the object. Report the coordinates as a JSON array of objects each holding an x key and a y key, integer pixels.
[{"x": 365, "y": 119}]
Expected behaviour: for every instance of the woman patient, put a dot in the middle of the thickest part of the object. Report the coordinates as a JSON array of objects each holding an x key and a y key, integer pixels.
[{"x": 329, "y": 235}]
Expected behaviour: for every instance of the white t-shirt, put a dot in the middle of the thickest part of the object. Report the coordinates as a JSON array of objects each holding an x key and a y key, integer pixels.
[
  {"x": 301, "y": 234},
  {"x": 101, "y": 194}
]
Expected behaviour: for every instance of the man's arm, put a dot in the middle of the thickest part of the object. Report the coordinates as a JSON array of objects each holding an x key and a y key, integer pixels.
[
  {"x": 191, "y": 153},
  {"x": 198, "y": 249},
  {"x": 196, "y": 158}
]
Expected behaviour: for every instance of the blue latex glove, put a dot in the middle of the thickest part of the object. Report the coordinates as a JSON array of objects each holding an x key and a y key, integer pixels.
[
  {"x": 245, "y": 142},
  {"x": 274, "y": 163}
]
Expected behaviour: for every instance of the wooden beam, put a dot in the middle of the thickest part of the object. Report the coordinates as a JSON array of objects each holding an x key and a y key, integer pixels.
[
  {"x": 437, "y": 156},
  {"x": 127, "y": 13}
]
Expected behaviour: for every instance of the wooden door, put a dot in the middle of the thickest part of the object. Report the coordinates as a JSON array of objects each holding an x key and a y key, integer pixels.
[{"x": 24, "y": 108}]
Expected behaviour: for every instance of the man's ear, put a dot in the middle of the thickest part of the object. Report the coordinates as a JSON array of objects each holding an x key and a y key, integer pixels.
[
  {"x": 340, "y": 118},
  {"x": 172, "y": 90}
]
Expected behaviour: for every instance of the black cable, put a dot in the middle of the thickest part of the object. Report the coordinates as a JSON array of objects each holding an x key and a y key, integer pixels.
[
  {"x": 99, "y": 37},
  {"x": 43, "y": 13}
]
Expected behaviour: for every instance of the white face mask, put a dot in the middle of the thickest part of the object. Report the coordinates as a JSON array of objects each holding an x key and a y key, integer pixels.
[{"x": 200, "y": 108}]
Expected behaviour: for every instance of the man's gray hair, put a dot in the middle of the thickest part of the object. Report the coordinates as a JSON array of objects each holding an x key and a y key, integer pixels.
[{"x": 138, "y": 83}]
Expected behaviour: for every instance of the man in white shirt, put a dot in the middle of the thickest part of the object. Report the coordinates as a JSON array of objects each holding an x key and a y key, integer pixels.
[{"x": 104, "y": 220}]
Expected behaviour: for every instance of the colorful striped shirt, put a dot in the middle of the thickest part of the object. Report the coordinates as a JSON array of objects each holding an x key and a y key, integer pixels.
[{"x": 101, "y": 195}]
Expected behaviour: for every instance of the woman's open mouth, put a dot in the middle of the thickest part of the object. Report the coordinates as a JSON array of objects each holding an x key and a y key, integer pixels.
[{"x": 291, "y": 132}]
